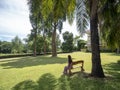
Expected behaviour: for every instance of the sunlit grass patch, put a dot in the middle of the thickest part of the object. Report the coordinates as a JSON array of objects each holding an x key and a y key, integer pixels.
[{"x": 29, "y": 72}]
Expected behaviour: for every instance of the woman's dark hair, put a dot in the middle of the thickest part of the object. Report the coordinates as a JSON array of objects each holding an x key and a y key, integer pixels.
[{"x": 69, "y": 59}]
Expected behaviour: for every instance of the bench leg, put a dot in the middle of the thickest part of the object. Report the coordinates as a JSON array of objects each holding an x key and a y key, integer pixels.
[
  {"x": 82, "y": 69},
  {"x": 69, "y": 71}
]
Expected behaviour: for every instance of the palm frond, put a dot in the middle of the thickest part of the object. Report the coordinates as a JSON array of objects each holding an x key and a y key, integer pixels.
[
  {"x": 60, "y": 25},
  {"x": 70, "y": 5},
  {"x": 47, "y": 8},
  {"x": 111, "y": 22},
  {"x": 82, "y": 17}
]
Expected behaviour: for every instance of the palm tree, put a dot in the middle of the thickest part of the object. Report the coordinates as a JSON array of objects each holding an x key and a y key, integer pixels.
[
  {"x": 110, "y": 23},
  {"x": 82, "y": 20},
  {"x": 34, "y": 21},
  {"x": 40, "y": 26},
  {"x": 97, "y": 70},
  {"x": 47, "y": 33},
  {"x": 34, "y": 16},
  {"x": 56, "y": 11}
]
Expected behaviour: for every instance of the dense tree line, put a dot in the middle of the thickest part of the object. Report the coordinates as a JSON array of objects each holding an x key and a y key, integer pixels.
[
  {"x": 17, "y": 46},
  {"x": 5, "y": 47}
]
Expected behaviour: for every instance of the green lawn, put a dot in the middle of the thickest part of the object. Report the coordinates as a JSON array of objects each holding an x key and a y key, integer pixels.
[{"x": 45, "y": 73}]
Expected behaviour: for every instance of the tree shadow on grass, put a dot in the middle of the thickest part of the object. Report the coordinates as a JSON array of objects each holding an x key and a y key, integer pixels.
[
  {"x": 32, "y": 61},
  {"x": 115, "y": 54},
  {"x": 113, "y": 69},
  {"x": 26, "y": 85},
  {"x": 63, "y": 83},
  {"x": 46, "y": 82},
  {"x": 79, "y": 81},
  {"x": 75, "y": 82}
]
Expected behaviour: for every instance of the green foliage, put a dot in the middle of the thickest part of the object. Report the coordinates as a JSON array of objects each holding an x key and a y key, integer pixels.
[
  {"x": 17, "y": 45},
  {"x": 59, "y": 9},
  {"x": 47, "y": 8},
  {"x": 81, "y": 44},
  {"x": 10, "y": 55},
  {"x": 67, "y": 45},
  {"x": 5, "y": 47},
  {"x": 39, "y": 44},
  {"x": 110, "y": 22},
  {"x": 28, "y": 44},
  {"x": 78, "y": 43},
  {"x": 70, "y": 9},
  {"x": 49, "y": 15}
]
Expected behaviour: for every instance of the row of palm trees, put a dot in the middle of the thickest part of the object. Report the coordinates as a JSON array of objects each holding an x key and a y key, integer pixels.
[{"x": 49, "y": 15}]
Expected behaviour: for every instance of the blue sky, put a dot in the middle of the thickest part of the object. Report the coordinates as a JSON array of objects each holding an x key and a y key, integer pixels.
[{"x": 14, "y": 20}]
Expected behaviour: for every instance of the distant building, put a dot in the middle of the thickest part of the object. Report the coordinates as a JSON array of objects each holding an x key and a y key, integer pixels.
[{"x": 88, "y": 44}]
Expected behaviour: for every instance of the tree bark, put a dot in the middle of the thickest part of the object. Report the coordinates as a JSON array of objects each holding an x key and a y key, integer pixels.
[
  {"x": 97, "y": 70},
  {"x": 45, "y": 48},
  {"x": 54, "y": 53},
  {"x": 118, "y": 50},
  {"x": 35, "y": 38},
  {"x": 44, "y": 44}
]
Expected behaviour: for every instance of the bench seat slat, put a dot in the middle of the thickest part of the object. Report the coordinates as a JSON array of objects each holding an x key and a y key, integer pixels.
[{"x": 76, "y": 67}]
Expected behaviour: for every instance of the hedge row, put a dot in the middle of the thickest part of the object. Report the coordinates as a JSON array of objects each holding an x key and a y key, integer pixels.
[
  {"x": 14, "y": 55},
  {"x": 22, "y": 55}
]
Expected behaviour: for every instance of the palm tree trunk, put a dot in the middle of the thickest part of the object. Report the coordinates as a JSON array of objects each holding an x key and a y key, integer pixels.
[
  {"x": 44, "y": 46},
  {"x": 118, "y": 50},
  {"x": 97, "y": 70},
  {"x": 54, "y": 54},
  {"x": 44, "y": 43},
  {"x": 35, "y": 38}
]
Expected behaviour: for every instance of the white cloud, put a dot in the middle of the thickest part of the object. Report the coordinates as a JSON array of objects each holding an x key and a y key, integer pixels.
[
  {"x": 72, "y": 29},
  {"x": 14, "y": 19}
]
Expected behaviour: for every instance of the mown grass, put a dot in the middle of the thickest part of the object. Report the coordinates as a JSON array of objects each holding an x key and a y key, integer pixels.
[{"x": 45, "y": 73}]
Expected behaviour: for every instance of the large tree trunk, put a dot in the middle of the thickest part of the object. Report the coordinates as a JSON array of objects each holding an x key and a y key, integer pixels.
[
  {"x": 54, "y": 53},
  {"x": 97, "y": 70}
]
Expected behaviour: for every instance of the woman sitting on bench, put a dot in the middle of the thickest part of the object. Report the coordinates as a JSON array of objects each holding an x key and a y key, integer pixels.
[
  {"x": 70, "y": 65},
  {"x": 66, "y": 68}
]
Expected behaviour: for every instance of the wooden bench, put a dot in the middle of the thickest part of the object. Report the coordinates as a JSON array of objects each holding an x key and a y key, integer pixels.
[{"x": 73, "y": 64}]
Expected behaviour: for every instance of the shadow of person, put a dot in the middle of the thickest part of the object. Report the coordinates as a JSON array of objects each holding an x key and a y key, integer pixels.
[{"x": 113, "y": 69}]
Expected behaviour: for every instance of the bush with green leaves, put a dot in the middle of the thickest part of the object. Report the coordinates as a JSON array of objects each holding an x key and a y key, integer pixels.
[{"x": 67, "y": 45}]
